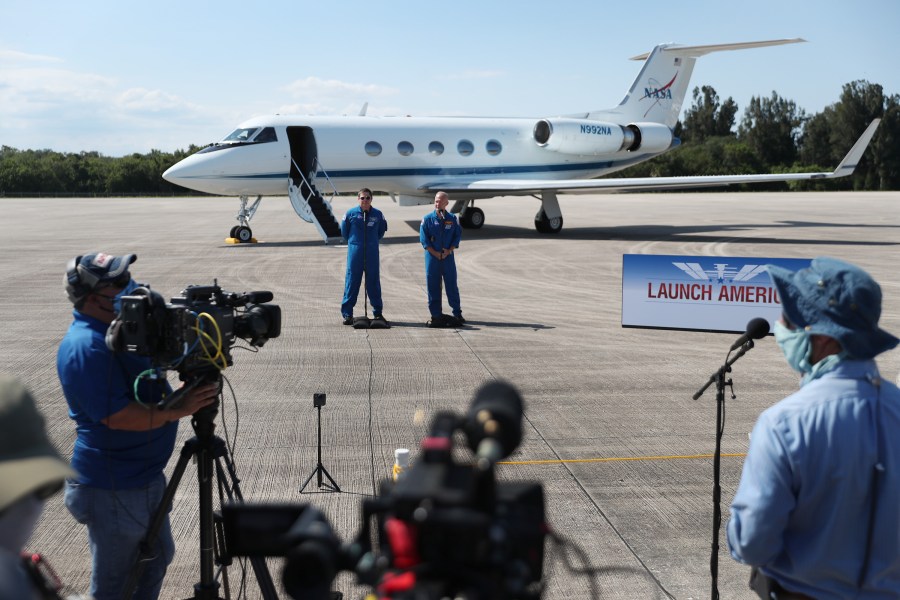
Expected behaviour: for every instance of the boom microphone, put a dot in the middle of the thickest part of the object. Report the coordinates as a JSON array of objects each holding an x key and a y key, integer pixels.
[{"x": 756, "y": 329}]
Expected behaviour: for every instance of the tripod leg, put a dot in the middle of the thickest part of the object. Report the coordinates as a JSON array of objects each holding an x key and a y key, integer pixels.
[
  {"x": 308, "y": 479},
  {"x": 229, "y": 481},
  {"x": 158, "y": 518},
  {"x": 334, "y": 484}
]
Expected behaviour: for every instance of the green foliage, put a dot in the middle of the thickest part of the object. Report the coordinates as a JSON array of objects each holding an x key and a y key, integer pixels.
[
  {"x": 771, "y": 127},
  {"x": 707, "y": 117},
  {"x": 829, "y": 135},
  {"x": 49, "y": 173}
]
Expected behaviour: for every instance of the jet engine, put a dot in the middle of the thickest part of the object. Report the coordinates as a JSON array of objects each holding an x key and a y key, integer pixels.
[{"x": 592, "y": 138}]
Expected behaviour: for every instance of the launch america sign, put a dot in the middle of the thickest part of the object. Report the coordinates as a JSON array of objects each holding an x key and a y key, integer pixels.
[{"x": 700, "y": 293}]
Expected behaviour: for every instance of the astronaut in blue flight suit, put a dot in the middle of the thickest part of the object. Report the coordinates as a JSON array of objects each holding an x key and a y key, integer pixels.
[
  {"x": 362, "y": 227},
  {"x": 440, "y": 234}
]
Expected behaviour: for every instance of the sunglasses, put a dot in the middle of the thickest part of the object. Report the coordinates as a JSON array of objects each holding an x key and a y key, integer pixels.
[{"x": 365, "y": 197}]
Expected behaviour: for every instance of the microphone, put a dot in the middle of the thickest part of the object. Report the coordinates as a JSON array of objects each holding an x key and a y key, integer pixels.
[
  {"x": 259, "y": 297},
  {"x": 756, "y": 329},
  {"x": 494, "y": 422}
]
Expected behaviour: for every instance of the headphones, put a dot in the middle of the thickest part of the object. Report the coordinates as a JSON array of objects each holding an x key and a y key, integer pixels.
[{"x": 79, "y": 282}]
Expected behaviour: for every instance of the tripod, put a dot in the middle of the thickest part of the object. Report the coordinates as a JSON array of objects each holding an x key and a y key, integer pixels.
[
  {"x": 319, "y": 402},
  {"x": 208, "y": 450}
]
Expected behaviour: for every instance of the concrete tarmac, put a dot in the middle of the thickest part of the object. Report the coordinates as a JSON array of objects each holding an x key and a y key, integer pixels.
[{"x": 611, "y": 431}]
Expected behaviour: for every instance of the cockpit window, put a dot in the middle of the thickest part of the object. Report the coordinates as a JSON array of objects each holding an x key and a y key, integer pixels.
[
  {"x": 241, "y": 135},
  {"x": 266, "y": 135}
]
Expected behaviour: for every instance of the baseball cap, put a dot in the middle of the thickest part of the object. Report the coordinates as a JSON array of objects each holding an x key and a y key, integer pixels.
[{"x": 84, "y": 274}]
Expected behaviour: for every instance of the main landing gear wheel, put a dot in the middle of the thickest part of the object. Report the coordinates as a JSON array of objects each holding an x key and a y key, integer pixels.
[
  {"x": 233, "y": 232},
  {"x": 472, "y": 218},
  {"x": 546, "y": 225},
  {"x": 243, "y": 233}
]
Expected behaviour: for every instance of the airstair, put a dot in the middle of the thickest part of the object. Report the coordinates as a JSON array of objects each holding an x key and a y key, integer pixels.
[{"x": 310, "y": 205}]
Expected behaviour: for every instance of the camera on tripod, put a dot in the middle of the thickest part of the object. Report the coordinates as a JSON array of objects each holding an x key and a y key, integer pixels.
[
  {"x": 195, "y": 332},
  {"x": 447, "y": 529}
]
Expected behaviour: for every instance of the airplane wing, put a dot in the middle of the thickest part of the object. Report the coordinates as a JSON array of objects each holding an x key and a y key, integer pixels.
[{"x": 612, "y": 184}]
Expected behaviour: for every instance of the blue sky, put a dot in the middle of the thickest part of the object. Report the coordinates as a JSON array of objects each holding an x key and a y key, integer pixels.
[{"x": 123, "y": 77}]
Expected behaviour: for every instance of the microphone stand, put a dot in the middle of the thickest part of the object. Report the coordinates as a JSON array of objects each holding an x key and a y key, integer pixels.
[
  {"x": 364, "y": 322},
  {"x": 719, "y": 378}
]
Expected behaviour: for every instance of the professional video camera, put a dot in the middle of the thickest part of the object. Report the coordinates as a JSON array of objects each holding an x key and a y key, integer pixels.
[
  {"x": 195, "y": 332},
  {"x": 445, "y": 529}
]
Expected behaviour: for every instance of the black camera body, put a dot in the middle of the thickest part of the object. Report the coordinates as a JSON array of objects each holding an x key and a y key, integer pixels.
[
  {"x": 193, "y": 333},
  {"x": 446, "y": 529}
]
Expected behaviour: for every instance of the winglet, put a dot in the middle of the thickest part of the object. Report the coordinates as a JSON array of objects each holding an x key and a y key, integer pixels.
[
  {"x": 848, "y": 165},
  {"x": 362, "y": 111}
]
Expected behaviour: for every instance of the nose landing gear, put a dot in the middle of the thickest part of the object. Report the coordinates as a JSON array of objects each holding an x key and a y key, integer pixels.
[{"x": 242, "y": 234}]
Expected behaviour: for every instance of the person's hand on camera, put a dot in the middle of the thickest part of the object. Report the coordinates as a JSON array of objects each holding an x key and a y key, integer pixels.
[{"x": 197, "y": 398}]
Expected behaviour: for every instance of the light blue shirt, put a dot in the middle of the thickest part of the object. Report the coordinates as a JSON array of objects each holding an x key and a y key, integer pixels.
[{"x": 801, "y": 511}]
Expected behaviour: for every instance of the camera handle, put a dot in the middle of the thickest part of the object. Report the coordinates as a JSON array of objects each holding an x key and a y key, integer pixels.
[
  {"x": 209, "y": 450},
  {"x": 320, "y": 468}
]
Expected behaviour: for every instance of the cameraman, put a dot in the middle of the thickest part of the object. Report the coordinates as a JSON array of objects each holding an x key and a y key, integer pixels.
[
  {"x": 124, "y": 439},
  {"x": 816, "y": 509}
]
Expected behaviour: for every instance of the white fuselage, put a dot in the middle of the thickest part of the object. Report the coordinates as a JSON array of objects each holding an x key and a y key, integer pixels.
[{"x": 397, "y": 155}]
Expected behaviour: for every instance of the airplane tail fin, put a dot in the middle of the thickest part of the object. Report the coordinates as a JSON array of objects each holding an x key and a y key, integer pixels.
[{"x": 657, "y": 94}]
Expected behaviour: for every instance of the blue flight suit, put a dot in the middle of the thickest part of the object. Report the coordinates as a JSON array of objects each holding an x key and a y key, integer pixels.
[
  {"x": 362, "y": 232},
  {"x": 440, "y": 233}
]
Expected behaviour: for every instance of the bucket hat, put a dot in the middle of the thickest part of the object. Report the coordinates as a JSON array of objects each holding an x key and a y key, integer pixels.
[{"x": 837, "y": 299}]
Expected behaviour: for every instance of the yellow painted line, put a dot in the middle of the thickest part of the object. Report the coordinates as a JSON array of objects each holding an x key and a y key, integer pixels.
[{"x": 614, "y": 459}]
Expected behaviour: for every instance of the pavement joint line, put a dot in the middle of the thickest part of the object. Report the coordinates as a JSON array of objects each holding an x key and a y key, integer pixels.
[{"x": 615, "y": 459}]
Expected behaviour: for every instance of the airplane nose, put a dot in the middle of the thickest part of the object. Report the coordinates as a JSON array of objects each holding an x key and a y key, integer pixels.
[
  {"x": 172, "y": 174},
  {"x": 176, "y": 173},
  {"x": 192, "y": 172}
]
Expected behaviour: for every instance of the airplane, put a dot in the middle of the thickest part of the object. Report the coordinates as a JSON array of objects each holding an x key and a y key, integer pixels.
[{"x": 471, "y": 158}]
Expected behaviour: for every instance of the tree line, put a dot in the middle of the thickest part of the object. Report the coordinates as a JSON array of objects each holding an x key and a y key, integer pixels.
[{"x": 774, "y": 135}]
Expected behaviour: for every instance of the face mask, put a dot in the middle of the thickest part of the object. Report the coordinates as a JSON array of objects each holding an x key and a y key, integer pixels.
[
  {"x": 126, "y": 291},
  {"x": 796, "y": 345}
]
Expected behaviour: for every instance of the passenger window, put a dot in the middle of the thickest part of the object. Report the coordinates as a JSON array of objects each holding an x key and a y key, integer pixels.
[
  {"x": 493, "y": 147},
  {"x": 373, "y": 148},
  {"x": 405, "y": 148},
  {"x": 436, "y": 148},
  {"x": 465, "y": 147},
  {"x": 266, "y": 135}
]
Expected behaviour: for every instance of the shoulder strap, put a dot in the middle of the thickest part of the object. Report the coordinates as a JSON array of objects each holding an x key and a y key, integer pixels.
[{"x": 877, "y": 470}]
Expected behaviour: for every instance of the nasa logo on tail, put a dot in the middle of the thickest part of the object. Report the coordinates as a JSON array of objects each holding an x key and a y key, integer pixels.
[{"x": 661, "y": 94}]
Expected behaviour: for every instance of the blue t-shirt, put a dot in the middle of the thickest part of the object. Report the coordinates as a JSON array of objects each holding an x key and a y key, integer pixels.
[{"x": 98, "y": 383}]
